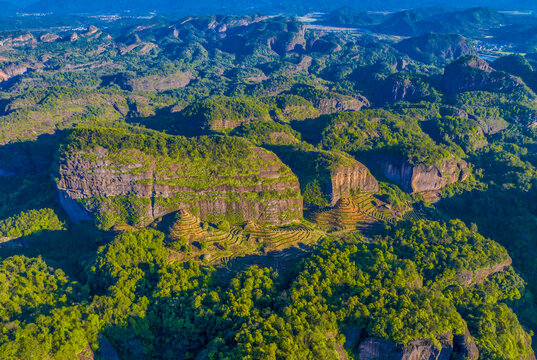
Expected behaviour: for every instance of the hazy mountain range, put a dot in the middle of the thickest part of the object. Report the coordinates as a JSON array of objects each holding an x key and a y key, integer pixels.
[{"x": 240, "y": 6}]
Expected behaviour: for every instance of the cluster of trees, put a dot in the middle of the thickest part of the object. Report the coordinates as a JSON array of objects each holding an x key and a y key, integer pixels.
[
  {"x": 30, "y": 222},
  {"x": 375, "y": 131},
  {"x": 401, "y": 288}
]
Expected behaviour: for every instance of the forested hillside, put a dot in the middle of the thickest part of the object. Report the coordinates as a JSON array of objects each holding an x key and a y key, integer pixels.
[{"x": 347, "y": 185}]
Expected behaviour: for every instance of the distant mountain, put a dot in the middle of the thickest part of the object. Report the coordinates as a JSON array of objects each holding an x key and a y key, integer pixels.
[
  {"x": 251, "y": 6},
  {"x": 348, "y": 15},
  {"x": 416, "y": 22},
  {"x": 436, "y": 48}
]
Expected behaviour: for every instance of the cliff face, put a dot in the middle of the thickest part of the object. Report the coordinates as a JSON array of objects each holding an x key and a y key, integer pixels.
[
  {"x": 337, "y": 174},
  {"x": 397, "y": 88},
  {"x": 345, "y": 180},
  {"x": 136, "y": 188},
  {"x": 468, "y": 278},
  {"x": 374, "y": 348},
  {"x": 423, "y": 178},
  {"x": 453, "y": 347},
  {"x": 328, "y": 102},
  {"x": 151, "y": 83},
  {"x": 11, "y": 71},
  {"x": 464, "y": 345},
  {"x": 339, "y": 102}
]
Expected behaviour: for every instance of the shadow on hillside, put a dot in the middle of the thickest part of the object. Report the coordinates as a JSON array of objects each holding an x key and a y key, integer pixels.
[
  {"x": 170, "y": 122},
  {"x": 25, "y": 180},
  {"x": 283, "y": 261},
  {"x": 509, "y": 217},
  {"x": 69, "y": 250}
]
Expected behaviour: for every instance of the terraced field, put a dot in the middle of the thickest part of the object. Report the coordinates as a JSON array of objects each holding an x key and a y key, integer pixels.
[
  {"x": 280, "y": 238},
  {"x": 359, "y": 212},
  {"x": 412, "y": 216},
  {"x": 185, "y": 226},
  {"x": 213, "y": 245}
]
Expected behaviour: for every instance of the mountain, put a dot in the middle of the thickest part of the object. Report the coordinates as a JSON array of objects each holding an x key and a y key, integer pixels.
[
  {"x": 436, "y": 48},
  {"x": 466, "y": 22},
  {"x": 470, "y": 73},
  {"x": 250, "y": 6}
]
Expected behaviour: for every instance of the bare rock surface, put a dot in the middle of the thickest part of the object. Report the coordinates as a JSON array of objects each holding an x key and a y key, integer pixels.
[{"x": 425, "y": 178}]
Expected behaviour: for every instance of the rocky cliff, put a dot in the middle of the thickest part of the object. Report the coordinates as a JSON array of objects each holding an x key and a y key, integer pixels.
[
  {"x": 153, "y": 82},
  {"x": 424, "y": 178},
  {"x": 328, "y": 102},
  {"x": 347, "y": 179},
  {"x": 453, "y": 347},
  {"x": 373, "y": 348},
  {"x": 464, "y": 346},
  {"x": 403, "y": 88},
  {"x": 334, "y": 174},
  {"x": 130, "y": 186},
  {"x": 12, "y": 71}
]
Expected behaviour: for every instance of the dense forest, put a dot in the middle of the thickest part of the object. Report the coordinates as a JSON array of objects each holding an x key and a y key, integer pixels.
[{"x": 344, "y": 185}]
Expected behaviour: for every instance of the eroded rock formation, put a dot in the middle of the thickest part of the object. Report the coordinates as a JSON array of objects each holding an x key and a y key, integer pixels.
[
  {"x": 348, "y": 179},
  {"x": 134, "y": 187},
  {"x": 423, "y": 178}
]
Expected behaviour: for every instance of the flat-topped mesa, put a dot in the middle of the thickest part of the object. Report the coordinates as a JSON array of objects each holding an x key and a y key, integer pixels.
[{"x": 117, "y": 177}]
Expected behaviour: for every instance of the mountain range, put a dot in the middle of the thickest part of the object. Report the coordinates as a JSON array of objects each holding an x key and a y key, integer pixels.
[{"x": 241, "y": 6}]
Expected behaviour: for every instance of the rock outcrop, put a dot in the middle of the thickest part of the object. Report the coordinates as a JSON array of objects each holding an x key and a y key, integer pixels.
[
  {"x": 129, "y": 82},
  {"x": 23, "y": 39},
  {"x": 136, "y": 188},
  {"x": 425, "y": 178},
  {"x": 336, "y": 174},
  {"x": 453, "y": 347},
  {"x": 469, "y": 278},
  {"x": 277, "y": 35},
  {"x": 15, "y": 70},
  {"x": 151, "y": 83},
  {"x": 221, "y": 113},
  {"x": 348, "y": 179},
  {"x": 12, "y": 71},
  {"x": 92, "y": 29},
  {"x": 374, "y": 348},
  {"x": 464, "y": 346},
  {"x": 400, "y": 88},
  {"x": 49, "y": 37},
  {"x": 328, "y": 102},
  {"x": 339, "y": 102},
  {"x": 470, "y": 73}
]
